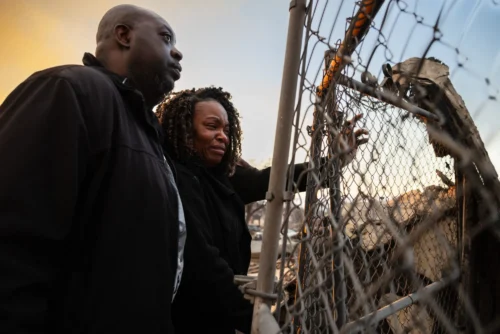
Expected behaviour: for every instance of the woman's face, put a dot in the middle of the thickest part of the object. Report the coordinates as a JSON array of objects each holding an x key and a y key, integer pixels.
[{"x": 211, "y": 131}]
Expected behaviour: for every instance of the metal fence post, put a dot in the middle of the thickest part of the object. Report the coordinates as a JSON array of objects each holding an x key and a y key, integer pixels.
[
  {"x": 334, "y": 177},
  {"x": 277, "y": 181}
]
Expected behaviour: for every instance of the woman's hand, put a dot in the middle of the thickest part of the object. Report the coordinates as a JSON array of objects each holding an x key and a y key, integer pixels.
[{"x": 349, "y": 140}]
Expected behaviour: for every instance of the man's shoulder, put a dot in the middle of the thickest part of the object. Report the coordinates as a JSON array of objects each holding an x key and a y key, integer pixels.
[
  {"x": 84, "y": 78},
  {"x": 93, "y": 90}
]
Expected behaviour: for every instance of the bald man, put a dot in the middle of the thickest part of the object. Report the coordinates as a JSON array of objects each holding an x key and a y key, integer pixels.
[{"x": 91, "y": 227}]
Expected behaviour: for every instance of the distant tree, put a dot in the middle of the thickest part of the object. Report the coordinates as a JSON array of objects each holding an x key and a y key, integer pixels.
[
  {"x": 296, "y": 218},
  {"x": 255, "y": 211}
]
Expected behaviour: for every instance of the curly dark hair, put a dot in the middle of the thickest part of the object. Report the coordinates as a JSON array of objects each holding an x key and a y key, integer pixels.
[{"x": 176, "y": 118}]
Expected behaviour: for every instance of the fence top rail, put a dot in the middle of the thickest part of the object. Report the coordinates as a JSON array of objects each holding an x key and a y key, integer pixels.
[{"x": 386, "y": 97}]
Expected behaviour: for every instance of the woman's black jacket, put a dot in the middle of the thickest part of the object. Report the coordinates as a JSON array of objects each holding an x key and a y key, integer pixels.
[{"x": 217, "y": 246}]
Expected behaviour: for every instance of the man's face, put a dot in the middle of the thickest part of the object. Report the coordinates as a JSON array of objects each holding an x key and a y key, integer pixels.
[{"x": 153, "y": 61}]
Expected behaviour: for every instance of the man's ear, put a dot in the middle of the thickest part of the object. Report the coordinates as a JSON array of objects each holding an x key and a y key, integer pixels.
[{"x": 122, "y": 34}]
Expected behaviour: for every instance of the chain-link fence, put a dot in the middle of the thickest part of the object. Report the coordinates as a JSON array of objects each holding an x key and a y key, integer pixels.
[{"x": 399, "y": 232}]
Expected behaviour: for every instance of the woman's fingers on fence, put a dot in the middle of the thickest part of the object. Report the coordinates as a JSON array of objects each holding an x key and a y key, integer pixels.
[
  {"x": 350, "y": 139},
  {"x": 361, "y": 141},
  {"x": 347, "y": 157},
  {"x": 361, "y": 132},
  {"x": 349, "y": 125},
  {"x": 353, "y": 136},
  {"x": 357, "y": 117},
  {"x": 352, "y": 122}
]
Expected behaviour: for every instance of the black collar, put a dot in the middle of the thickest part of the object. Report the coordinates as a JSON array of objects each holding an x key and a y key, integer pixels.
[
  {"x": 120, "y": 82},
  {"x": 129, "y": 93},
  {"x": 90, "y": 60},
  {"x": 216, "y": 176}
]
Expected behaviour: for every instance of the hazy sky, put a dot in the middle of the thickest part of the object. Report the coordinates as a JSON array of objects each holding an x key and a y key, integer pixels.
[{"x": 239, "y": 45}]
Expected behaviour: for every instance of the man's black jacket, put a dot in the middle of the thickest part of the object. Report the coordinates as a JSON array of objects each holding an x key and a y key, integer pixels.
[{"x": 88, "y": 221}]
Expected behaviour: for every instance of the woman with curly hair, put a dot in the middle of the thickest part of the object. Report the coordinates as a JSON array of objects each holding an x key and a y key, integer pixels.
[{"x": 203, "y": 136}]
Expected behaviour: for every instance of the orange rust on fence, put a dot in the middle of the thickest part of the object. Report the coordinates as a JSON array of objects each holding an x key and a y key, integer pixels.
[
  {"x": 354, "y": 34},
  {"x": 358, "y": 28}
]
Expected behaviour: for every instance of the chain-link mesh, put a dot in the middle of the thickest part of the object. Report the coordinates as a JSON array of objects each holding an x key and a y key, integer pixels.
[{"x": 392, "y": 231}]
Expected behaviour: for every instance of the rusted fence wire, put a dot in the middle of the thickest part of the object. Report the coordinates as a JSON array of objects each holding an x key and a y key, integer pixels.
[{"x": 398, "y": 234}]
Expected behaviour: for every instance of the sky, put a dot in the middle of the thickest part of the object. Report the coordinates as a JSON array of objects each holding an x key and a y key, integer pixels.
[{"x": 239, "y": 45}]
